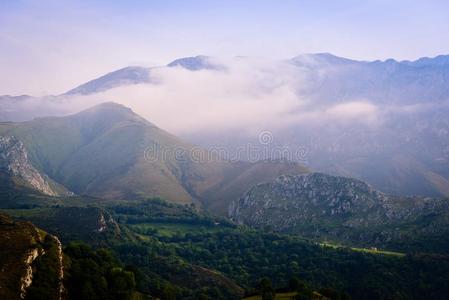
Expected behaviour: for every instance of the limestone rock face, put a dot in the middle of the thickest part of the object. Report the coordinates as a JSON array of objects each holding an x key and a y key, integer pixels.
[
  {"x": 22, "y": 244},
  {"x": 14, "y": 161}
]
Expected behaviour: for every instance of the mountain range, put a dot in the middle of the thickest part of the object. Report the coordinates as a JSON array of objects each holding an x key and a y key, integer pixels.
[{"x": 383, "y": 122}]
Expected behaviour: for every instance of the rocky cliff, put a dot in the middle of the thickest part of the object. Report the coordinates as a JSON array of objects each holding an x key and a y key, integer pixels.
[
  {"x": 26, "y": 251},
  {"x": 14, "y": 161}
]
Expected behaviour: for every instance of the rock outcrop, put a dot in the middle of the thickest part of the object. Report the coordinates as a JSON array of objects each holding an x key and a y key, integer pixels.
[
  {"x": 14, "y": 161},
  {"x": 292, "y": 200},
  {"x": 343, "y": 210},
  {"x": 27, "y": 277},
  {"x": 22, "y": 245}
]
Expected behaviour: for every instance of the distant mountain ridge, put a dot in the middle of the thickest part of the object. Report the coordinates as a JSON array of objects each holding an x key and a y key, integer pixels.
[
  {"x": 125, "y": 76},
  {"x": 137, "y": 74},
  {"x": 439, "y": 60}
]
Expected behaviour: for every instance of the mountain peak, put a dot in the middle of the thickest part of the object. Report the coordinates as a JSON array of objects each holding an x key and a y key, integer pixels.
[
  {"x": 110, "y": 105},
  {"x": 110, "y": 112},
  {"x": 194, "y": 63}
]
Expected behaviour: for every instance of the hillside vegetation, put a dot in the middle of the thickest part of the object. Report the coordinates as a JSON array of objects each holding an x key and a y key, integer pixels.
[{"x": 174, "y": 250}]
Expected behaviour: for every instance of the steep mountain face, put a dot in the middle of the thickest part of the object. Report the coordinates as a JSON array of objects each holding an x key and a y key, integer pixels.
[
  {"x": 15, "y": 163},
  {"x": 110, "y": 152},
  {"x": 400, "y": 146},
  {"x": 325, "y": 207},
  {"x": 404, "y": 151},
  {"x": 406, "y": 156},
  {"x": 23, "y": 245},
  {"x": 336, "y": 79}
]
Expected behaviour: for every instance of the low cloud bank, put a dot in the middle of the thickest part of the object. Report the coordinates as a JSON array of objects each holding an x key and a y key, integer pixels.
[{"x": 247, "y": 94}]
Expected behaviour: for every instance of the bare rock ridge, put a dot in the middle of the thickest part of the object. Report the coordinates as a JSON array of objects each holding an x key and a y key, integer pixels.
[
  {"x": 14, "y": 160},
  {"x": 61, "y": 289},
  {"x": 27, "y": 278},
  {"x": 22, "y": 244}
]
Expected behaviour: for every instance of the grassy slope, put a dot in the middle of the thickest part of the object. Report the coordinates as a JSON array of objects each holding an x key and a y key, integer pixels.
[
  {"x": 89, "y": 152},
  {"x": 100, "y": 152}
]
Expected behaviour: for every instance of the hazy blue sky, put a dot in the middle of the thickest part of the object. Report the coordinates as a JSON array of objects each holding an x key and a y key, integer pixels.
[{"x": 49, "y": 46}]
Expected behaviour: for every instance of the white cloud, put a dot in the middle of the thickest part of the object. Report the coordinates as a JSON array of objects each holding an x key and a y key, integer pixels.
[
  {"x": 247, "y": 94},
  {"x": 354, "y": 110}
]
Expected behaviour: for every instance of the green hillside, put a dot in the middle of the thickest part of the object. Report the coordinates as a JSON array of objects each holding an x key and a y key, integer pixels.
[{"x": 110, "y": 152}]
